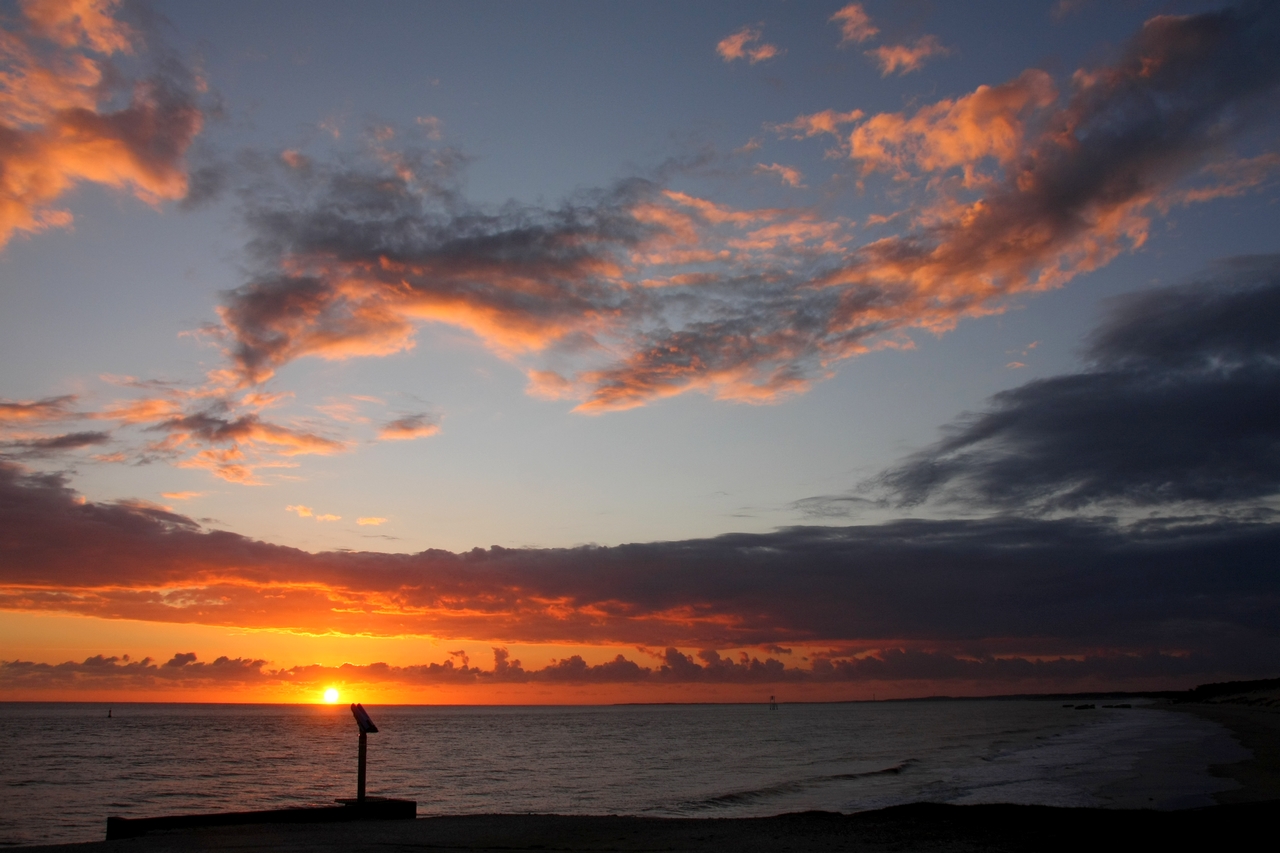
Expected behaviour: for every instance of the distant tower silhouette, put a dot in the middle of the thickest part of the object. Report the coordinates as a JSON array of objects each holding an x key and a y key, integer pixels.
[{"x": 773, "y": 704}]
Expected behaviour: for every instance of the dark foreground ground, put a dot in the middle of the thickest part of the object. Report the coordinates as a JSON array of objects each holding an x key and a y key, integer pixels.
[{"x": 917, "y": 827}]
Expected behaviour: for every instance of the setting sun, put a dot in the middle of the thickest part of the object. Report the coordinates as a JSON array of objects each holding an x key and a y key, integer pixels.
[{"x": 331, "y": 695}]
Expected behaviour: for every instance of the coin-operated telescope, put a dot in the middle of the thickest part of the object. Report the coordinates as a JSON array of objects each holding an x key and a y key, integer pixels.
[{"x": 366, "y": 728}]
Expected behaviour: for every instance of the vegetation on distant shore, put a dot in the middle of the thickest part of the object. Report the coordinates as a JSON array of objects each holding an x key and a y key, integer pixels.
[{"x": 1218, "y": 690}]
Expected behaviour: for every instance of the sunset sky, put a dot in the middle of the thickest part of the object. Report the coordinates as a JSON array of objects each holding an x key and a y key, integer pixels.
[{"x": 663, "y": 351}]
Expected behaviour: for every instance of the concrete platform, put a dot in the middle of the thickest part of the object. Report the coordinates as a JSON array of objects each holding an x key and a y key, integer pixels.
[{"x": 371, "y": 808}]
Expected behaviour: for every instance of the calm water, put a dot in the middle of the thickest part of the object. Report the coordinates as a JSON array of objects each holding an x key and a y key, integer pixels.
[{"x": 65, "y": 767}]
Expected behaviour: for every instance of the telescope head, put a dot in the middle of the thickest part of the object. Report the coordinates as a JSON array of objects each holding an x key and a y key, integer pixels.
[{"x": 362, "y": 719}]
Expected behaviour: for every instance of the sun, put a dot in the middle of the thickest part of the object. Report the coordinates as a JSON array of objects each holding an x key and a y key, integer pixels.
[{"x": 331, "y": 695}]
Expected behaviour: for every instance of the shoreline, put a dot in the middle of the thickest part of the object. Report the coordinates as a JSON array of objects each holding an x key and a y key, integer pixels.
[{"x": 1257, "y": 728}]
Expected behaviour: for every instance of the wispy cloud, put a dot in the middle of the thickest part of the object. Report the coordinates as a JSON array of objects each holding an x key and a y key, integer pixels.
[
  {"x": 410, "y": 427},
  {"x": 855, "y": 24},
  {"x": 790, "y": 175},
  {"x": 827, "y": 121},
  {"x": 36, "y": 411},
  {"x": 51, "y": 445},
  {"x": 746, "y": 44},
  {"x": 905, "y": 58},
  {"x": 432, "y": 127},
  {"x": 234, "y": 447}
]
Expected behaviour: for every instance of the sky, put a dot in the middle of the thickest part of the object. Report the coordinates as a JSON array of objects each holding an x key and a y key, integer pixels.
[{"x": 574, "y": 352}]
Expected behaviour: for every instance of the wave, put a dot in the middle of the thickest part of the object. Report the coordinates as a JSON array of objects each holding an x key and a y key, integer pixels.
[{"x": 737, "y": 798}]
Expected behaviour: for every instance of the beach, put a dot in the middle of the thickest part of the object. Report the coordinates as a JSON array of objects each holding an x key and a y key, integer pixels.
[
  {"x": 1246, "y": 808},
  {"x": 1254, "y": 720}
]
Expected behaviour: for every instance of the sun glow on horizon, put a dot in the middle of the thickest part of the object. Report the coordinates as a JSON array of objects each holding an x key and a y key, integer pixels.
[{"x": 331, "y": 695}]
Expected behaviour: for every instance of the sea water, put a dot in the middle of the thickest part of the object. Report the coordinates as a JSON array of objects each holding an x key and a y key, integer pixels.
[{"x": 65, "y": 767}]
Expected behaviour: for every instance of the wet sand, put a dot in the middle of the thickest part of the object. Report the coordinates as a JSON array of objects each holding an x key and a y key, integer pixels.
[
  {"x": 1254, "y": 719},
  {"x": 917, "y": 827}
]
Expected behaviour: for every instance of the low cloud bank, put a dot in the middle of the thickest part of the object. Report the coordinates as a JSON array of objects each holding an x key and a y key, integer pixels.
[
  {"x": 1199, "y": 586},
  {"x": 708, "y": 667}
]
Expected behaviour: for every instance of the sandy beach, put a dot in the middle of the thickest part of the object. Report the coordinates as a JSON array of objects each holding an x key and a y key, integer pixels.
[{"x": 1254, "y": 719}]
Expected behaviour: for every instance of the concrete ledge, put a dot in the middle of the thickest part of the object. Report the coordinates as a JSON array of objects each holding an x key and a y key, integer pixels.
[{"x": 373, "y": 808}]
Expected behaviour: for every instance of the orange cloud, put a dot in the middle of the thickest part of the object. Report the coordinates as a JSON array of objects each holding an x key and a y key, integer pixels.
[
  {"x": 868, "y": 593},
  {"x": 646, "y": 292},
  {"x": 789, "y": 175},
  {"x": 201, "y": 426},
  {"x": 1231, "y": 177},
  {"x": 35, "y": 411},
  {"x": 821, "y": 237},
  {"x": 308, "y": 512},
  {"x": 742, "y": 45},
  {"x": 827, "y": 121},
  {"x": 718, "y": 214},
  {"x": 903, "y": 59},
  {"x": 52, "y": 132},
  {"x": 371, "y": 521},
  {"x": 147, "y": 410},
  {"x": 77, "y": 23},
  {"x": 989, "y": 122},
  {"x": 855, "y": 24}
]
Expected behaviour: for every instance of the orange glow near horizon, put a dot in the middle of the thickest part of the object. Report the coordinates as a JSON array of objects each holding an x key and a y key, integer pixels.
[{"x": 88, "y": 659}]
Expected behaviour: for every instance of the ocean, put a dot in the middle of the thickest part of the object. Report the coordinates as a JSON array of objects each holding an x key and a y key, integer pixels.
[{"x": 64, "y": 767}]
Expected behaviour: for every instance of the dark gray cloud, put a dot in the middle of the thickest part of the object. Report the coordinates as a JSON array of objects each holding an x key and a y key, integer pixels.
[
  {"x": 1180, "y": 402},
  {"x": 410, "y": 426},
  {"x": 968, "y": 590},
  {"x": 416, "y": 248},
  {"x": 51, "y": 445}
]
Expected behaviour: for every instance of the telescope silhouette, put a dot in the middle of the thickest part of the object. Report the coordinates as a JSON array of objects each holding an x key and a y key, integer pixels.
[{"x": 365, "y": 722}]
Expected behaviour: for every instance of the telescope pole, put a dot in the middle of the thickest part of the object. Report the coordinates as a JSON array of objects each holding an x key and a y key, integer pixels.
[{"x": 364, "y": 745}]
